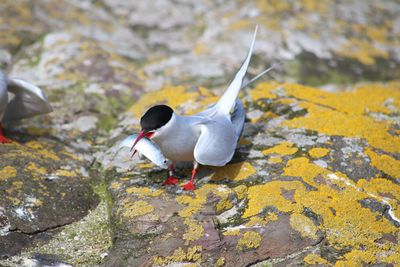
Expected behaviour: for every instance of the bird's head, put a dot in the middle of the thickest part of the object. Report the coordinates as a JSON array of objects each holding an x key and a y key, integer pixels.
[{"x": 153, "y": 121}]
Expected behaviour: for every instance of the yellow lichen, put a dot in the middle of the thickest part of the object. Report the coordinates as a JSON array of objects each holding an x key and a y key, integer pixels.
[
  {"x": 314, "y": 259},
  {"x": 200, "y": 48},
  {"x": 132, "y": 209},
  {"x": 72, "y": 156},
  {"x": 193, "y": 254},
  {"x": 385, "y": 163},
  {"x": 303, "y": 168},
  {"x": 35, "y": 169},
  {"x": 194, "y": 232},
  {"x": 143, "y": 191},
  {"x": 175, "y": 96},
  {"x": 7, "y": 173},
  {"x": 356, "y": 258},
  {"x": 249, "y": 240},
  {"x": 232, "y": 232},
  {"x": 220, "y": 262},
  {"x": 335, "y": 201},
  {"x": 256, "y": 221},
  {"x": 283, "y": 149},
  {"x": 264, "y": 90},
  {"x": 145, "y": 165},
  {"x": 196, "y": 203},
  {"x": 171, "y": 95},
  {"x": 383, "y": 188},
  {"x": 270, "y": 194},
  {"x": 303, "y": 225},
  {"x": 241, "y": 191},
  {"x": 235, "y": 171},
  {"x": 318, "y": 152},
  {"x": 344, "y": 113},
  {"x": 274, "y": 160},
  {"x": 40, "y": 150},
  {"x": 271, "y": 216},
  {"x": 116, "y": 185},
  {"x": 362, "y": 50},
  {"x": 65, "y": 173}
]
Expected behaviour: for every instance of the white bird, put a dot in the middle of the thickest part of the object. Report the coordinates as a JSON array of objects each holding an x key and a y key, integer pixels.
[
  {"x": 28, "y": 101},
  {"x": 208, "y": 138}
]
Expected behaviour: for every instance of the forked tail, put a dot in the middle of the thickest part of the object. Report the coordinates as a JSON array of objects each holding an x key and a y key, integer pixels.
[{"x": 227, "y": 101}]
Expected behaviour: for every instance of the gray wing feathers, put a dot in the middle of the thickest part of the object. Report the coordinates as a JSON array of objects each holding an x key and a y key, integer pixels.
[
  {"x": 216, "y": 144},
  {"x": 29, "y": 101},
  {"x": 3, "y": 94},
  {"x": 226, "y": 102},
  {"x": 237, "y": 119}
]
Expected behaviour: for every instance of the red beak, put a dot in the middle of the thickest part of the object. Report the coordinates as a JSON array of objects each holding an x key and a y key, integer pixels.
[{"x": 140, "y": 136}]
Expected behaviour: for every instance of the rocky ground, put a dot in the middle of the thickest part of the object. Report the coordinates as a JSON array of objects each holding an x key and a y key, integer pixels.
[{"x": 316, "y": 177}]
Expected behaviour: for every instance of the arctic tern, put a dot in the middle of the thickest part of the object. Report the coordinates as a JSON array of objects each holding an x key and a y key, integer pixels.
[
  {"x": 209, "y": 137},
  {"x": 28, "y": 101}
]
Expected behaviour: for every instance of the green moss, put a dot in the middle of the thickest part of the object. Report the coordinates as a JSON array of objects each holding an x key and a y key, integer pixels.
[{"x": 107, "y": 122}]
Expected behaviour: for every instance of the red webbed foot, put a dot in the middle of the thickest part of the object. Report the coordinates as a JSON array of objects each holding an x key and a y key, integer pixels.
[
  {"x": 188, "y": 186},
  {"x": 4, "y": 140},
  {"x": 170, "y": 180}
]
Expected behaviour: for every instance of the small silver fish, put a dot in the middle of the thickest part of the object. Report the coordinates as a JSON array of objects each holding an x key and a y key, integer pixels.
[{"x": 147, "y": 148}]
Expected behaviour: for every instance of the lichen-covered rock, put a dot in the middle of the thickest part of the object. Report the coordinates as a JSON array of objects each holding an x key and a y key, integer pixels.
[
  {"x": 315, "y": 180},
  {"x": 348, "y": 40},
  {"x": 320, "y": 166},
  {"x": 43, "y": 188}
]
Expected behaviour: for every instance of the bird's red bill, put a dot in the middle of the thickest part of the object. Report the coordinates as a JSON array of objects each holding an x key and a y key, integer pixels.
[{"x": 140, "y": 136}]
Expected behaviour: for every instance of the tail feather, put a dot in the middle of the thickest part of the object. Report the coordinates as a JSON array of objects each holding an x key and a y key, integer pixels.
[{"x": 227, "y": 101}]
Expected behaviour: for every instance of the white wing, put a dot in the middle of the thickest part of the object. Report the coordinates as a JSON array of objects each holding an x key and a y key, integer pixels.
[
  {"x": 29, "y": 101},
  {"x": 217, "y": 142}
]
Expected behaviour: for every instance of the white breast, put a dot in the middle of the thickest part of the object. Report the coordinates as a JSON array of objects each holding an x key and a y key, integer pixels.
[{"x": 178, "y": 138}]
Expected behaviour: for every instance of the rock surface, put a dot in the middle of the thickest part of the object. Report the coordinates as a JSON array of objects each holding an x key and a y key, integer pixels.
[{"x": 315, "y": 179}]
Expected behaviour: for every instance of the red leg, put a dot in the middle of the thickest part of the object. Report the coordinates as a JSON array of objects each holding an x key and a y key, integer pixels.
[
  {"x": 171, "y": 179},
  {"x": 3, "y": 139},
  {"x": 190, "y": 185}
]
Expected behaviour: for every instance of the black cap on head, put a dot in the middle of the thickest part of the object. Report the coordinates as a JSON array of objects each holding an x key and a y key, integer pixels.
[{"x": 156, "y": 117}]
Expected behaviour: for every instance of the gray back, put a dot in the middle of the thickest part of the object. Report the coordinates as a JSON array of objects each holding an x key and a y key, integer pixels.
[{"x": 3, "y": 94}]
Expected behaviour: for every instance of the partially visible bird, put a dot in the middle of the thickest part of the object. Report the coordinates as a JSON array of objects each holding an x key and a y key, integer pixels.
[
  {"x": 28, "y": 101},
  {"x": 209, "y": 137}
]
